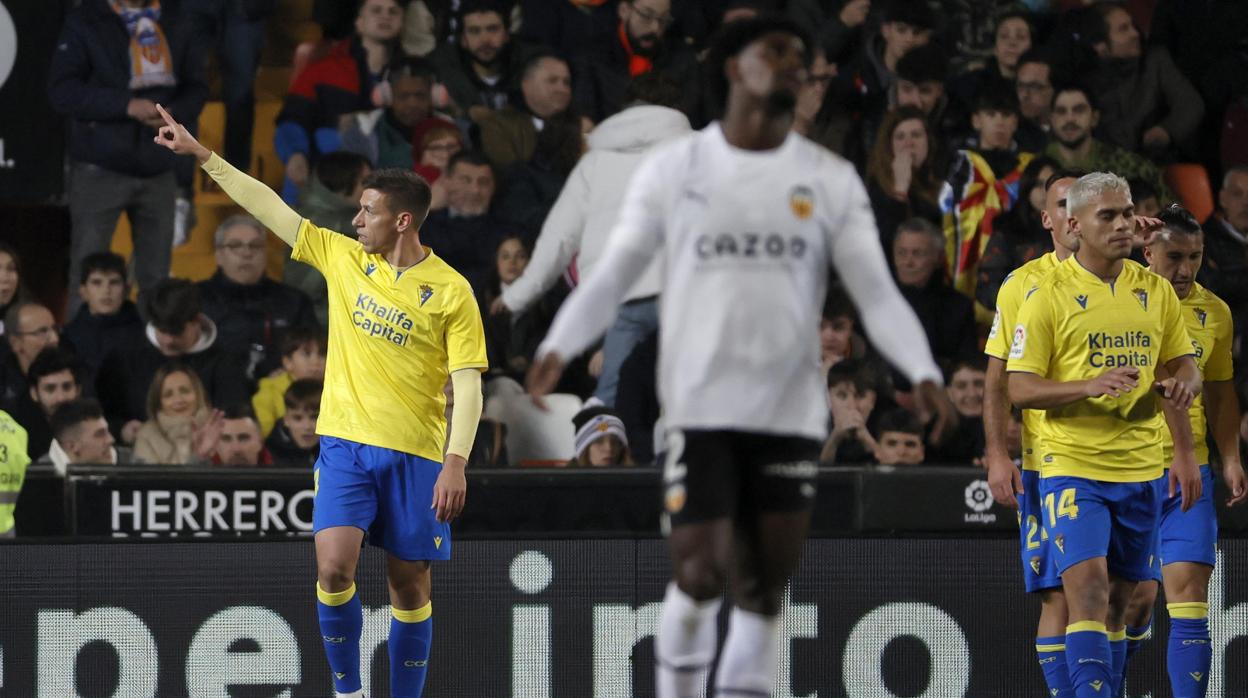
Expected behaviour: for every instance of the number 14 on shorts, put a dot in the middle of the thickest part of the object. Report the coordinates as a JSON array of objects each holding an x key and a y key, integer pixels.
[{"x": 1066, "y": 506}]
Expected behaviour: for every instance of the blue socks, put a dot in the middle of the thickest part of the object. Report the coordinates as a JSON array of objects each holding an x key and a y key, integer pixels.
[
  {"x": 1088, "y": 659},
  {"x": 342, "y": 619},
  {"x": 1189, "y": 654},
  {"x": 411, "y": 633},
  {"x": 1051, "y": 651},
  {"x": 1135, "y": 638},
  {"x": 1118, "y": 659}
]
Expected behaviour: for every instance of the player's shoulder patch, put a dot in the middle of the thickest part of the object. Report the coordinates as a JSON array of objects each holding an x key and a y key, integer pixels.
[{"x": 1019, "y": 344}]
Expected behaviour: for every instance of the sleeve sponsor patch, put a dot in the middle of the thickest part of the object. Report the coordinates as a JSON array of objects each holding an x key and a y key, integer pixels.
[{"x": 1020, "y": 343}]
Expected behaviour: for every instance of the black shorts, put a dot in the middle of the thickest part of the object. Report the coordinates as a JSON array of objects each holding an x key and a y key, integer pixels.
[{"x": 737, "y": 475}]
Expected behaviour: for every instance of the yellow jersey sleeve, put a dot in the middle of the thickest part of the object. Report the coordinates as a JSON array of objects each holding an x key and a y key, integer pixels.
[
  {"x": 1009, "y": 297},
  {"x": 1221, "y": 362},
  {"x": 1175, "y": 340},
  {"x": 1032, "y": 342},
  {"x": 318, "y": 246},
  {"x": 465, "y": 334}
]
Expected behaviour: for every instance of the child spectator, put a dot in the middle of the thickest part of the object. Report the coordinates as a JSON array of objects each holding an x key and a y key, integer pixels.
[
  {"x": 293, "y": 441},
  {"x": 303, "y": 357},
  {"x": 106, "y": 320},
  {"x": 600, "y": 439},
  {"x": 11, "y": 289},
  {"x": 836, "y": 328},
  {"x": 181, "y": 428},
  {"x": 901, "y": 439},
  {"x": 511, "y": 339},
  {"x": 850, "y": 440},
  {"x": 964, "y": 383}
]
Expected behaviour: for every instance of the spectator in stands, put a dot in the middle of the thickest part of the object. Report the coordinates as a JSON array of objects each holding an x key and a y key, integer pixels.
[
  {"x": 836, "y": 329},
  {"x": 901, "y": 439},
  {"x": 1071, "y": 120},
  {"x": 864, "y": 84},
  {"x": 1014, "y": 36},
  {"x": 511, "y": 340},
  {"x": 331, "y": 200},
  {"x": 177, "y": 330},
  {"x": 1225, "y": 269},
  {"x": 637, "y": 399},
  {"x": 182, "y": 429},
  {"x": 106, "y": 320},
  {"x": 1034, "y": 85},
  {"x": 510, "y": 134},
  {"x": 465, "y": 234},
  {"x": 251, "y": 311},
  {"x": 964, "y": 383},
  {"x": 53, "y": 381},
  {"x": 81, "y": 438},
  {"x": 821, "y": 122},
  {"x": 529, "y": 189},
  {"x": 31, "y": 329},
  {"x": 569, "y": 27},
  {"x": 339, "y": 83},
  {"x": 114, "y": 61},
  {"x": 1144, "y": 196},
  {"x": 585, "y": 212},
  {"x": 600, "y": 439},
  {"x": 1019, "y": 236},
  {"x": 384, "y": 135},
  {"x": 434, "y": 142},
  {"x": 836, "y": 26},
  {"x": 921, "y": 83},
  {"x": 850, "y": 440},
  {"x": 239, "y": 443},
  {"x": 482, "y": 66},
  {"x": 11, "y": 288},
  {"x": 303, "y": 358},
  {"x": 947, "y": 316},
  {"x": 1147, "y": 103},
  {"x": 293, "y": 442},
  {"x": 237, "y": 30},
  {"x": 639, "y": 46},
  {"x": 901, "y": 181},
  {"x": 981, "y": 184}
]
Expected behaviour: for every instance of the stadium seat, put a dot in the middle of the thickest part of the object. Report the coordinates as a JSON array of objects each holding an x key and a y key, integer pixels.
[
  {"x": 535, "y": 437},
  {"x": 1190, "y": 183}
]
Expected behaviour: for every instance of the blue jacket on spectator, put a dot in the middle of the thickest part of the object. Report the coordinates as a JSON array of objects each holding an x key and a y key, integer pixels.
[{"x": 89, "y": 82}]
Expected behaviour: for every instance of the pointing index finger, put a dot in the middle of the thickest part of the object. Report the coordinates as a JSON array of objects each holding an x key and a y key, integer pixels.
[{"x": 165, "y": 115}]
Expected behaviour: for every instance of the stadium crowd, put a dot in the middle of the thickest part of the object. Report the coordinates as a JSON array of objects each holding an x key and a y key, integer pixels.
[{"x": 528, "y": 118}]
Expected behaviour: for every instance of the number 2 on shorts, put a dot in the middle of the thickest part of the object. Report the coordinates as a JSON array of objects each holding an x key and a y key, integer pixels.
[{"x": 1065, "y": 506}]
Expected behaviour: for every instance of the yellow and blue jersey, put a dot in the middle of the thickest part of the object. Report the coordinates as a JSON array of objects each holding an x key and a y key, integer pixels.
[
  {"x": 1208, "y": 322},
  {"x": 395, "y": 337},
  {"x": 1009, "y": 298},
  {"x": 1075, "y": 326}
]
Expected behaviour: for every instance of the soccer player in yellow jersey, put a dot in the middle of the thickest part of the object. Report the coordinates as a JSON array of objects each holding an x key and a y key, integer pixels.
[
  {"x": 400, "y": 321},
  {"x": 1022, "y": 490},
  {"x": 1089, "y": 349},
  {"x": 1186, "y": 547}
]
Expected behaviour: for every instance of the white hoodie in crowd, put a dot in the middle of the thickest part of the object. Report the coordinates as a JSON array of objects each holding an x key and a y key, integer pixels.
[{"x": 586, "y": 210}]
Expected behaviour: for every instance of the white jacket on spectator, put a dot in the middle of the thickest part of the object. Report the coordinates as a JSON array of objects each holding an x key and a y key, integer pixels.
[{"x": 586, "y": 209}]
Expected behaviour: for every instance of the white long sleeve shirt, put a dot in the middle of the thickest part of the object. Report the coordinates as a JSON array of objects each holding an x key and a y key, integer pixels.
[
  {"x": 748, "y": 239},
  {"x": 588, "y": 205}
]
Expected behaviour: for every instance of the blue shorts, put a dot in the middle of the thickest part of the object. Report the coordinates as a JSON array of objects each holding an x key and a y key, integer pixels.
[
  {"x": 1115, "y": 520},
  {"x": 1039, "y": 568},
  {"x": 1190, "y": 536},
  {"x": 386, "y": 493}
]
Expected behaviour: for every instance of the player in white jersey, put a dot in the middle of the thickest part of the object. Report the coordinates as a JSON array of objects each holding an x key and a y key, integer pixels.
[{"x": 749, "y": 217}]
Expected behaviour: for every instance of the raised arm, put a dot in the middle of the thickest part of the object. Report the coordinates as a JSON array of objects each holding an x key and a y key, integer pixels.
[{"x": 251, "y": 194}]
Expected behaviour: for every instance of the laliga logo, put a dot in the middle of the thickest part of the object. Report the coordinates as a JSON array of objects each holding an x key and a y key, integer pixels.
[
  {"x": 978, "y": 496},
  {"x": 8, "y": 45}
]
